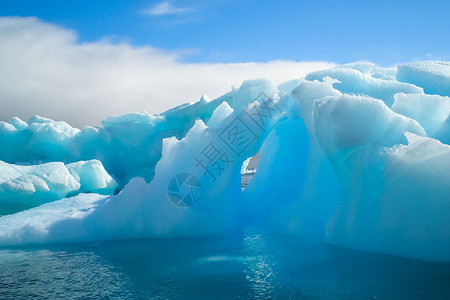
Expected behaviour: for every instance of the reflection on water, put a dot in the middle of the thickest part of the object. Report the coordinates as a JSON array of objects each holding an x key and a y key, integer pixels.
[
  {"x": 259, "y": 262},
  {"x": 249, "y": 265}
]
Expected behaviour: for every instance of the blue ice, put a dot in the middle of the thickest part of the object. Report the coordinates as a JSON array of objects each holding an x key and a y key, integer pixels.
[{"x": 358, "y": 155}]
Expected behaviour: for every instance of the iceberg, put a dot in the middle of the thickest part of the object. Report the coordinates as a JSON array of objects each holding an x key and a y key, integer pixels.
[
  {"x": 27, "y": 186},
  {"x": 432, "y": 76},
  {"x": 128, "y": 145},
  {"x": 431, "y": 111},
  {"x": 404, "y": 210},
  {"x": 357, "y": 155},
  {"x": 366, "y": 79}
]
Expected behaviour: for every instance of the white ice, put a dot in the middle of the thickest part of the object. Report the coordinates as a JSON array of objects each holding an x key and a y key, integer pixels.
[{"x": 357, "y": 154}]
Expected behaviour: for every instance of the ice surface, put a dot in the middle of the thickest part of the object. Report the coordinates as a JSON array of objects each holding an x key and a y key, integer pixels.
[
  {"x": 92, "y": 177},
  {"x": 28, "y": 186},
  {"x": 400, "y": 205},
  {"x": 35, "y": 185},
  {"x": 128, "y": 145},
  {"x": 157, "y": 209},
  {"x": 358, "y": 79},
  {"x": 432, "y": 76},
  {"x": 357, "y": 154},
  {"x": 431, "y": 111}
]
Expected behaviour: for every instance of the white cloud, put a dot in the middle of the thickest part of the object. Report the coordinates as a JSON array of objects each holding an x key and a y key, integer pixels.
[
  {"x": 44, "y": 70},
  {"x": 167, "y": 8}
]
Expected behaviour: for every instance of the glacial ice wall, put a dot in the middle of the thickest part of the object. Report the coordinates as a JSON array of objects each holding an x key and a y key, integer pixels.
[{"x": 357, "y": 154}]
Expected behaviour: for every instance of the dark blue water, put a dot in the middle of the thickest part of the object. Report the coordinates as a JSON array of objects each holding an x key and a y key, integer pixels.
[{"x": 246, "y": 265}]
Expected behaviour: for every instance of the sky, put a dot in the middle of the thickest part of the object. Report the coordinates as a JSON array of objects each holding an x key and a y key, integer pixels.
[{"x": 82, "y": 60}]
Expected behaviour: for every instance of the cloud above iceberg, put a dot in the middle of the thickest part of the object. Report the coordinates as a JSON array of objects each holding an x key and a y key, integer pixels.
[
  {"x": 167, "y": 8},
  {"x": 45, "y": 70}
]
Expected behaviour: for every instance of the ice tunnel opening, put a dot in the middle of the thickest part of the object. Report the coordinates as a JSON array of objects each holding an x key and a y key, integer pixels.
[{"x": 248, "y": 169}]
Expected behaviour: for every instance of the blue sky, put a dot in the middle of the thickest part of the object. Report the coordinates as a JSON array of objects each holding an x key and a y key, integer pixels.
[{"x": 384, "y": 32}]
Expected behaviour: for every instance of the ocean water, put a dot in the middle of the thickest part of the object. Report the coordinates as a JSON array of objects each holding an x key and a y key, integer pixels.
[{"x": 249, "y": 264}]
